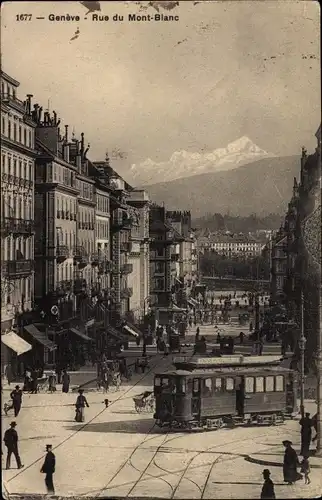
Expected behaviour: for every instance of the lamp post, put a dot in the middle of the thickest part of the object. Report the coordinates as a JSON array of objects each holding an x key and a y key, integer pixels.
[
  {"x": 319, "y": 382},
  {"x": 302, "y": 343}
]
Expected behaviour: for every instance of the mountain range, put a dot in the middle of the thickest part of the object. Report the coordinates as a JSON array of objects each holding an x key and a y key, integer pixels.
[
  {"x": 261, "y": 187},
  {"x": 183, "y": 164}
]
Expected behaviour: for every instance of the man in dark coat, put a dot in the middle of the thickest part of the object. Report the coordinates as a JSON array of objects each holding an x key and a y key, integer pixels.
[
  {"x": 290, "y": 463},
  {"x": 48, "y": 468},
  {"x": 11, "y": 441},
  {"x": 306, "y": 434},
  {"x": 268, "y": 492},
  {"x": 16, "y": 396}
]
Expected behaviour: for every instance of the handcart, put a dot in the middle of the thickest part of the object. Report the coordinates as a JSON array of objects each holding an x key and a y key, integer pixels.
[{"x": 144, "y": 402}]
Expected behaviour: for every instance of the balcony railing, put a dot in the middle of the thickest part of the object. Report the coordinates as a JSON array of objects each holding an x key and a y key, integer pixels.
[
  {"x": 126, "y": 293},
  {"x": 125, "y": 246},
  {"x": 105, "y": 267},
  {"x": 80, "y": 256},
  {"x": 18, "y": 226},
  {"x": 126, "y": 269},
  {"x": 62, "y": 253},
  {"x": 16, "y": 181},
  {"x": 123, "y": 223},
  {"x": 18, "y": 267},
  {"x": 12, "y": 99}
]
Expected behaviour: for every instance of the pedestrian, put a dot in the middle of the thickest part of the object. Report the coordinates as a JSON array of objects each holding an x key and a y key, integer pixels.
[
  {"x": 16, "y": 397},
  {"x": 315, "y": 425},
  {"x": 81, "y": 401},
  {"x": 66, "y": 381},
  {"x": 306, "y": 434},
  {"x": 11, "y": 441},
  {"x": 290, "y": 463},
  {"x": 268, "y": 486},
  {"x": 52, "y": 382},
  {"x": 48, "y": 468},
  {"x": 241, "y": 337},
  {"x": 34, "y": 382},
  {"x": 9, "y": 374}
]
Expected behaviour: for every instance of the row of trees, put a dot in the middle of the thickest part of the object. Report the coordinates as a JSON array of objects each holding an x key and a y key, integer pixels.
[
  {"x": 213, "y": 264},
  {"x": 237, "y": 224}
]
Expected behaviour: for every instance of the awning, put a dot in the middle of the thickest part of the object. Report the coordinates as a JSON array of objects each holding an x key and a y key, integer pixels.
[
  {"x": 16, "y": 343},
  {"x": 131, "y": 331},
  {"x": 80, "y": 334},
  {"x": 40, "y": 337},
  {"x": 121, "y": 337}
]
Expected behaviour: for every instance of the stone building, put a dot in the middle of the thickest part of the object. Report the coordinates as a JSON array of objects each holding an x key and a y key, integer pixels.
[
  {"x": 139, "y": 279},
  {"x": 17, "y": 220}
]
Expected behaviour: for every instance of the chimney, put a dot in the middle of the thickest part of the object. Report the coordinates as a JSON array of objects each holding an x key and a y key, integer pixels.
[
  {"x": 78, "y": 162},
  {"x": 66, "y": 133},
  {"x": 66, "y": 151},
  {"x": 82, "y": 144}
]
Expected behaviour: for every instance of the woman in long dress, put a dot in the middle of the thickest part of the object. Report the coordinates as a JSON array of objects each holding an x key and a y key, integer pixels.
[
  {"x": 66, "y": 381},
  {"x": 290, "y": 463},
  {"x": 81, "y": 401}
]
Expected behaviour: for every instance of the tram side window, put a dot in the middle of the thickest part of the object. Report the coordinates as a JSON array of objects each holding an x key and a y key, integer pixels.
[
  {"x": 165, "y": 382},
  {"x": 196, "y": 385},
  {"x": 259, "y": 384},
  {"x": 279, "y": 383},
  {"x": 157, "y": 382},
  {"x": 269, "y": 384},
  {"x": 182, "y": 385},
  {"x": 218, "y": 384},
  {"x": 229, "y": 384},
  {"x": 249, "y": 384},
  {"x": 207, "y": 386}
]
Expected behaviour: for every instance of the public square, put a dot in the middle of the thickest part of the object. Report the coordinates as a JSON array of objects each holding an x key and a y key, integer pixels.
[{"x": 120, "y": 453}]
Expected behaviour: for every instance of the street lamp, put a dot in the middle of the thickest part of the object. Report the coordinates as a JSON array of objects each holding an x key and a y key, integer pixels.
[{"x": 302, "y": 343}]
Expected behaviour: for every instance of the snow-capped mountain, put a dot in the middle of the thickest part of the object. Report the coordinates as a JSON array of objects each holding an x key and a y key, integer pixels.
[{"x": 183, "y": 164}]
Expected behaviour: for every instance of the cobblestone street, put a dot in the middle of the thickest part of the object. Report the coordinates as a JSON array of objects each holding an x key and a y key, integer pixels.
[{"x": 118, "y": 452}]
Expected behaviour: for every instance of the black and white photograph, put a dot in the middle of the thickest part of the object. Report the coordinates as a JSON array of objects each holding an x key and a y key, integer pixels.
[{"x": 161, "y": 330}]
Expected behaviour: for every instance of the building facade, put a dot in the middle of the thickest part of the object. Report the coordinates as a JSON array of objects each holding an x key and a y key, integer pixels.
[
  {"x": 230, "y": 245},
  {"x": 17, "y": 214},
  {"x": 139, "y": 279}
]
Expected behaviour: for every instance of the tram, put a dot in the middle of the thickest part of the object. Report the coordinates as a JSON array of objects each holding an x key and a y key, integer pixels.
[{"x": 208, "y": 393}]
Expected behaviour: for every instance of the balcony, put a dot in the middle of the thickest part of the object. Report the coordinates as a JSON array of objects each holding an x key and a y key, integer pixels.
[
  {"x": 126, "y": 293},
  {"x": 125, "y": 247},
  {"x": 12, "y": 100},
  {"x": 95, "y": 259},
  {"x": 104, "y": 267},
  {"x": 125, "y": 223},
  {"x": 16, "y": 181},
  {"x": 80, "y": 286},
  {"x": 63, "y": 287},
  {"x": 81, "y": 257},
  {"x": 18, "y": 268},
  {"x": 126, "y": 269},
  {"x": 12, "y": 225},
  {"x": 62, "y": 253}
]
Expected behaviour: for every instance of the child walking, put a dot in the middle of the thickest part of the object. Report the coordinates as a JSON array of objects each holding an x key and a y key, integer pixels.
[{"x": 305, "y": 469}]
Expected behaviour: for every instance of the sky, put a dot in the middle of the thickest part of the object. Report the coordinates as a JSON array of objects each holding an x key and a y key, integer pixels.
[{"x": 242, "y": 68}]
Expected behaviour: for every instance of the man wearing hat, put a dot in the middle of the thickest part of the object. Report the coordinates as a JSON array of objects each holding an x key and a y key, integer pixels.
[
  {"x": 11, "y": 441},
  {"x": 48, "y": 468},
  {"x": 16, "y": 397},
  {"x": 290, "y": 463},
  {"x": 268, "y": 486}
]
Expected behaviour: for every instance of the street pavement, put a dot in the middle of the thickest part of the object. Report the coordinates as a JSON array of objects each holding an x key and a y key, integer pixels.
[{"x": 120, "y": 453}]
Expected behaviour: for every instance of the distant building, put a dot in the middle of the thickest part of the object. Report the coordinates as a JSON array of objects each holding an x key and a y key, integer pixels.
[{"x": 231, "y": 245}]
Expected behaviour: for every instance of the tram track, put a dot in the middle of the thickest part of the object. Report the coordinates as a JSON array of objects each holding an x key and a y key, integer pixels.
[{"x": 121, "y": 396}]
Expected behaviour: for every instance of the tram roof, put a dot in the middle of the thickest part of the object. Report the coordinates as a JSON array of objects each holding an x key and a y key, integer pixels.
[
  {"x": 233, "y": 370},
  {"x": 233, "y": 360}
]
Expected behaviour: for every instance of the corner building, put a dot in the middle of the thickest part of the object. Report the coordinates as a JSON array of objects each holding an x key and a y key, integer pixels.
[{"x": 17, "y": 221}]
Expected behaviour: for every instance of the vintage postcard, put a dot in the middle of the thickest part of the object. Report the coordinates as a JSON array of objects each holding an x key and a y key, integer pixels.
[{"x": 161, "y": 249}]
